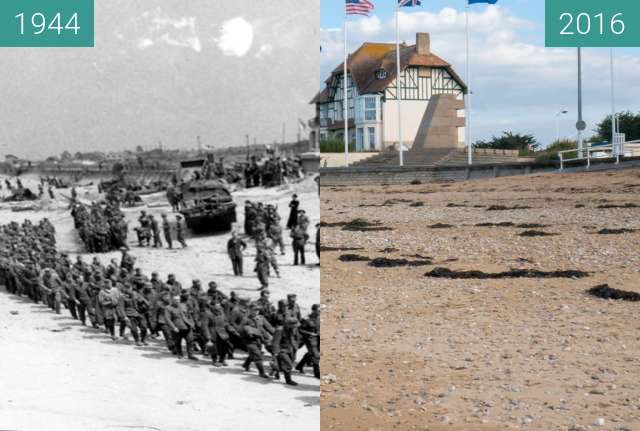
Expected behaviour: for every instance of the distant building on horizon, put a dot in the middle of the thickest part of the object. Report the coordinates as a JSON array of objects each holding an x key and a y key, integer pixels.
[{"x": 373, "y": 110}]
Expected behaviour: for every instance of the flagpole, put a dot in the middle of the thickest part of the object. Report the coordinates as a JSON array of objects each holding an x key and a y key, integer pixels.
[
  {"x": 613, "y": 105},
  {"x": 399, "y": 84},
  {"x": 345, "y": 96},
  {"x": 468, "y": 102}
]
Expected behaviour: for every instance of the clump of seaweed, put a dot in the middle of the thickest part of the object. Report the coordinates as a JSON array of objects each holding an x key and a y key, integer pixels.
[
  {"x": 605, "y": 292},
  {"x": 513, "y": 273}
]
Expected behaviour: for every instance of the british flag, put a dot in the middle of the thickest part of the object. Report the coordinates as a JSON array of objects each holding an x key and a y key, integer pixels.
[
  {"x": 359, "y": 7},
  {"x": 409, "y": 3}
]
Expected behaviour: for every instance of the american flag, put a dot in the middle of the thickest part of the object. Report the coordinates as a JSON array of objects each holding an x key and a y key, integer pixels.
[
  {"x": 359, "y": 7},
  {"x": 409, "y": 3}
]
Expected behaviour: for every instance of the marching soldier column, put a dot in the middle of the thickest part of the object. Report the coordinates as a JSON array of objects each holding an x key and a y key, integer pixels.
[{"x": 118, "y": 298}]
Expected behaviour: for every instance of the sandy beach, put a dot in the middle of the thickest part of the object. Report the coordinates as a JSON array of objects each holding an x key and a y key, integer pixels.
[
  {"x": 409, "y": 351},
  {"x": 62, "y": 376}
]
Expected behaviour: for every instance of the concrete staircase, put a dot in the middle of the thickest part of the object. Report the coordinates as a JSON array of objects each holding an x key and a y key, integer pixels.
[
  {"x": 411, "y": 158},
  {"x": 482, "y": 157},
  {"x": 386, "y": 158},
  {"x": 439, "y": 157}
]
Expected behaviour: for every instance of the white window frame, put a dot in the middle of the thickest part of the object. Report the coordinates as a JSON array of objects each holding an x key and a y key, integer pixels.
[
  {"x": 366, "y": 109},
  {"x": 370, "y": 129}
]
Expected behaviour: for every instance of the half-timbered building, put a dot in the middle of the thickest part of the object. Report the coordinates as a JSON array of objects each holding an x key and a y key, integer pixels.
[{"x": 372, "y": 96}]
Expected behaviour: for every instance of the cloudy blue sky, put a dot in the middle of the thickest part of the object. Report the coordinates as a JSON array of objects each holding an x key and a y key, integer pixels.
[
  {"x": 518, "y": 84},
  {"x": 165, "y": 70}
]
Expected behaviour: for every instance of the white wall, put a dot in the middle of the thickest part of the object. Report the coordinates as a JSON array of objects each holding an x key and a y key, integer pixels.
[
  {"x": 412, "y": 113},
  {"x": 462, "y": 131}
]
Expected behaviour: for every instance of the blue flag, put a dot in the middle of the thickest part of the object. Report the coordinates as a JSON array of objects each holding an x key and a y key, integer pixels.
[
  {"x": 409, "y": 3},
  {"x": 483, "y": 1}
]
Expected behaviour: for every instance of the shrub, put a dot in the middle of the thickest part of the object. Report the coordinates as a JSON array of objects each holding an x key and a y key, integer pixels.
[
  {"x": 335, "y": 146},
  {"x": 550, "y": 154},
  {"x": 510, "y": 141}
]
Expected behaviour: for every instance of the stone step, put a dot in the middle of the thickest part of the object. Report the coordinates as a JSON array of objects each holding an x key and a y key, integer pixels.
[{"x": 436, "y": 157}]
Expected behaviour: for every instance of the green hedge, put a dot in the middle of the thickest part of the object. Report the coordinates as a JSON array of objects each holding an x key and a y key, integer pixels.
[{"x": 335, "y": 146}]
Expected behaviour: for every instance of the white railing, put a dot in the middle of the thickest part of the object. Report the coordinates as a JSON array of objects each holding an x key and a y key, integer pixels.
[
  {"x": 611, "y": 151},
  {"x": 632, "y": 148},
  {"x": 618, "y": 144}
]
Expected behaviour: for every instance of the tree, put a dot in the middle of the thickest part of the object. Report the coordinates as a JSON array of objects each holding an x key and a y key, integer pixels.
[
  {"x": 66, "y": 156},
  {"x": 118, "y": 169},
  {"x": 628, "y": 123},
  {"x": 139, "y": 149},
  {"x": 510, "y": 141},
  {"x": 551, "y": 152}
]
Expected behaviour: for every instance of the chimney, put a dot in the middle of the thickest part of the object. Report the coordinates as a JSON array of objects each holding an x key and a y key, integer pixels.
[{"x": 423, "y": 44}]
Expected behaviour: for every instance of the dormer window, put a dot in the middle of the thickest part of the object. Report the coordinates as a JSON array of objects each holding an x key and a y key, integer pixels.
[{"x": 381, "y": 74}]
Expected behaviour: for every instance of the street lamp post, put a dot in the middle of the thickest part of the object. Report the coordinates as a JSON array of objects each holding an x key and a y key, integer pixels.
[
  {"x": 562, "y": 112},
  {"x": 614, "y": 125},
  {"x": 580, "y": 125}
]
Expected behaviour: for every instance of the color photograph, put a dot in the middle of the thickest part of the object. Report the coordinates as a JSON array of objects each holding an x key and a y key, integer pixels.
[{"x": 479, "y": 215}]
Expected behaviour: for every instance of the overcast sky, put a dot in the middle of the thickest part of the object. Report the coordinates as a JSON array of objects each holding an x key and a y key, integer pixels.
[
  {"x": 517, "y": 83},
  {"x": 165, "y": 70}
]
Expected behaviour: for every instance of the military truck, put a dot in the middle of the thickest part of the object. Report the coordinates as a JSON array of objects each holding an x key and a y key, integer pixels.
[{"x": 206, "y": 204}]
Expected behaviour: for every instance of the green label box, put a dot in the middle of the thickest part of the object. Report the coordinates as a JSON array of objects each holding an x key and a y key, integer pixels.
[
  {"x": 46, "y": 23},
  {"x": 592, "y": 23}
]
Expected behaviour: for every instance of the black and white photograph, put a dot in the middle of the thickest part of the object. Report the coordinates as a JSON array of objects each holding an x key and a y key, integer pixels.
[{"x": 159, "y": 222}]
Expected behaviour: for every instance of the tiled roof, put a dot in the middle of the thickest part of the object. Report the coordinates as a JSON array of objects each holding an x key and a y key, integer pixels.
[
  {"x": 322, "y": 96},
  {"x": 371, "y": 57}
]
